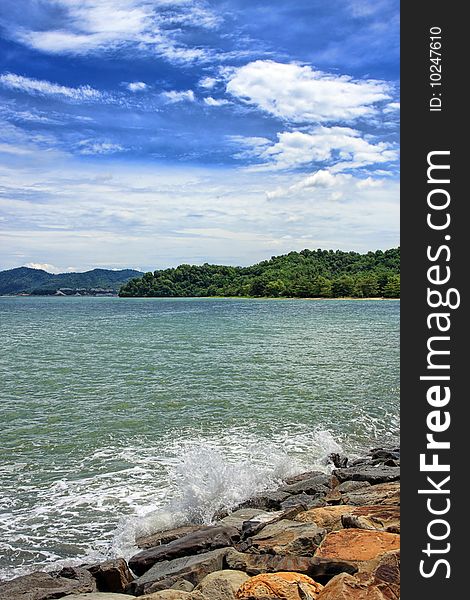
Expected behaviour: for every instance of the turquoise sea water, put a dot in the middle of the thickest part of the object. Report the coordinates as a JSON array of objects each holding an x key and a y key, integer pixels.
[{"x": 125, "y": 415}]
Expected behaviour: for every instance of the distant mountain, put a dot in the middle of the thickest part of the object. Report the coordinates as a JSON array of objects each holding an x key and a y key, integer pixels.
[{"x": 37, "y": 281}]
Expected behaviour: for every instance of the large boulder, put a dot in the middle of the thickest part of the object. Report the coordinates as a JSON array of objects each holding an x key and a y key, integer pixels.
[
  {"x": 242, "y": 515},
  {"x": 382, "y": 493},
  {"x": 287, "y": 537},
  {"x": 99, "y": 596},
  {"x": 111, "y": 575},
  {"x": 371, "y": 473},
  {"x": 167, "y": 595},
  {"x": 266, "y": 501},
  {"x": 357, "y": 546},
  {"x": 302, "y": 477},
  {"x": 166, "y": 536},
  {"x": 381, "y": 517},
  {"x": 284, "y": 586},
  {"x": 163, "y": 575},
  {"x": 45, "y": 586},
  {"x": 203, "y": 540},
  {"x": 221, "y": 585},
  {"x": 318, "y": 485},
  {"x": 383, "y": 583},
  {"x": 328, "y": 517}
]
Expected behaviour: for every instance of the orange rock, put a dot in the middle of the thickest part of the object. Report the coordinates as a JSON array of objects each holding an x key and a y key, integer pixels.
[
  {"x": 328, "y": 517},
  {"x": 282, "y": 586},
  {"x": 382, "y": 584},
  {"x": 357, "y": 545},
  {"x": 382, "y": 517}
]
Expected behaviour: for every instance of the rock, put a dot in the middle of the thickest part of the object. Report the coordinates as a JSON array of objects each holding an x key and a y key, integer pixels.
[
  {"x": 254, "y": 564},
  {"x": 339, "y": 460},
  {"x": 222, "y": 585},
  {"x": 302, "y": 477},
  {"x": 43, "y": 586},
  {"x": 287, "y": 537},
  {"x": 99, "y": 596},
  {"x": 382, "y": 584},
  {"x": 267, "y": 501},
  {"x": 302, "y": 501},
  {"x": 285, "y": 586},
  {"x": 165, "y": 574},
  {"x": 183, "y": 586},
  {"x": 165, "y": 537},
  {"x": 351, "y": 486},
  {"x": 328, "y": 517},
  {"x": 372, "y": 474},
  {"x": 167, "y": 595},
  {"x": 203, "y": 540},
  {"x": 238, "y": 517},
  {"x": 112, "y": 575},
  {"x": 357, "y": 546},
  {"x": 382, "y": 493},
  {"x": 382, "y": 518},
  {"x": 316, "y": 486}
]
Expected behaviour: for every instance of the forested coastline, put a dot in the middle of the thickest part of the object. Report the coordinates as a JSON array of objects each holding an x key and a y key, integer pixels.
[{"x": 305, "y": 274}]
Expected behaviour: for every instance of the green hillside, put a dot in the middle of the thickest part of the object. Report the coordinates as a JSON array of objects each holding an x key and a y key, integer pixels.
[
  {"x": 37, "y": 281},
  {"x": 305, "y": 274}
]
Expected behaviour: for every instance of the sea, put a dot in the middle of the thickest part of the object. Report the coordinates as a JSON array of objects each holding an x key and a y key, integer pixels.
[{"x": 124, "y": 416}]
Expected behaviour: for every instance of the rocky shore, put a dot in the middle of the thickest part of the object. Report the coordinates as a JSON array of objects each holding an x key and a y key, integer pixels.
[{"x": 317, "y": 537}]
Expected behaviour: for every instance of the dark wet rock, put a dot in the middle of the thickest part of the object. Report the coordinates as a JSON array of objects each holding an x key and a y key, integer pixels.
[
  {"x": 381, "y": 493},
  {"x": 244, "y": 515},
  {"x": 165, "y": 537},
  {"x": 302, "y": 477},
  {"x": 286, "y": 537},
  {"x": 111, "y": 575},
  {"x": 163, "y": 575},
  {"x": 338, "y": 460},
  {"x": 269, "y": 501},
  {"x": 301, "y": 501},
  {"x": 203, "y": 540},
  {"x": 372, "y": 474},
  {"x": 45, "y": 586},
  {"x": 317, "y": 486}
]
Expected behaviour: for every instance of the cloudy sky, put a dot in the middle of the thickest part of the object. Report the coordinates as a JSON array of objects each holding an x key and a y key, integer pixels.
[{"x": 147, "y": 133}]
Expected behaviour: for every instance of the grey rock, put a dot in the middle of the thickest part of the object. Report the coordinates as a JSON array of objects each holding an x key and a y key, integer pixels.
[
  {"x": 45, "y": 586},
  {"x": 203, "y": 540},
  {"x": 372, "y": 474},
  {"x": 317, "y": 486},
  {"x": 351, "y": 486},
  {"x": 269, "y": 501},
  {"x": 286, "y": 537},
  {"x": 302, "y": 477},
  {"x": 165, "y": 537},
  {"x": 163, "y": 575}
]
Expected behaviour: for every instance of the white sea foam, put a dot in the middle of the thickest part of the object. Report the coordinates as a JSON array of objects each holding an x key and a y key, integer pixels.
[{"x": 88, "y": 518}]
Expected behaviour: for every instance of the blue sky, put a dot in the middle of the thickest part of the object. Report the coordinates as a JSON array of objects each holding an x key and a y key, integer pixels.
[{"x": 147, "y": 133}]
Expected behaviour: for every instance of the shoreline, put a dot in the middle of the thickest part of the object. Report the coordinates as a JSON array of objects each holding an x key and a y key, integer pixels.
[{"x": 317, "y": 536}]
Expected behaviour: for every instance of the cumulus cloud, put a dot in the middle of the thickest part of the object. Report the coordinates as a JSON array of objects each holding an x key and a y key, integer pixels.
[
  {"x": 300, "y": 94},
  {"x": 137, "y": 86},
  {"x": 340, "y": 147},
  {"x": 179, "y": 96},
  {"x": 208, "y": 83},
  {"x": 216, "y": 101},
  {"x": 42, "y": 87},
  {"x": 44, "y": 267}
]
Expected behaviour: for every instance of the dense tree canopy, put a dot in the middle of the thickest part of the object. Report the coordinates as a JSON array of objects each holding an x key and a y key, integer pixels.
[{"x": 305, "y": 274}]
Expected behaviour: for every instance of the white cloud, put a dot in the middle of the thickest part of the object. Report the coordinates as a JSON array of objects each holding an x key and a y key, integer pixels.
[
  {"x": 216, "y": 101},
  {"x": 94, "y": 147},
  {"x": 299, "y": 94},
  {"x": 208, "y": 83},
  {"x": 182, "y": 96},
  {"x": 340, "y": 147},
  {"x": 42, "y": 87},
  {"x": 90, "y": 26},
  {"x": 137, "y": 86},
  {"x": 44, "y": 267}
]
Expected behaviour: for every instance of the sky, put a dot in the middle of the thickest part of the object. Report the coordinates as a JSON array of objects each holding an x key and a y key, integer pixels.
[{"x": 149, "y": 133}]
